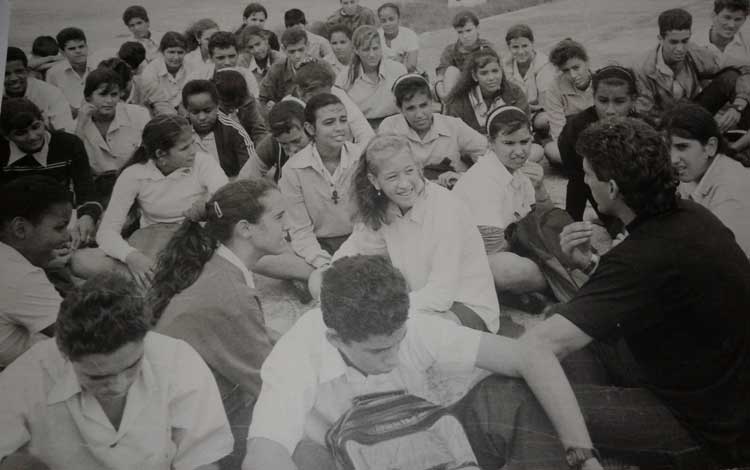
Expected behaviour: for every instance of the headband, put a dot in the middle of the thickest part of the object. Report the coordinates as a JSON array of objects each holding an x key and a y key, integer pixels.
[
  {"x": 408, "y": 76},
  {"x": 614, "y": 71},
  {"x": 513, "y": 114}
]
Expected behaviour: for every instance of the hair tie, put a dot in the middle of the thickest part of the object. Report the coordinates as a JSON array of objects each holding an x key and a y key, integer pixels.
[
  {"x": 217, "y": 210},
  {"x": 407, "y": 76},
  {"x": 614, "y": 71},
  {"x": 513, "y": 112}
]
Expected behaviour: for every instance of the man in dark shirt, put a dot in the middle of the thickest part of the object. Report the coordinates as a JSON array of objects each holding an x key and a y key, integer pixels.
[{"x": 676, "y": 292}]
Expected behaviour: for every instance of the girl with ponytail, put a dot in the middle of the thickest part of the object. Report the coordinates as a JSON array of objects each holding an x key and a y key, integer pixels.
[
  {"x": 165, "y": 177},
  {"x": 203, "y": 291}
]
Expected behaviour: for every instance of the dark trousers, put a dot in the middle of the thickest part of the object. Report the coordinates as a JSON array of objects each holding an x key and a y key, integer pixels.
[{"x": 720, "y": 92}]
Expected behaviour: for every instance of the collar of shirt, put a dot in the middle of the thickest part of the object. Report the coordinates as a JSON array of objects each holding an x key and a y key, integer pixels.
[
  {"x": 332, "y": 364},
  {"x": 40, "y": 156},
  {"x": 704, "y": 186},
  {"x": 149, "y": 171},
  {"x": 363, "y": 75},
  {"x": 207, "y": 143},
  {"x": 481, "y": 110},
  {"x": 662, "y": 66},
  {"x": 8, "y": 254},
  {"x": 737, "y": 41},
  {"x": 161, "y": 70},
  {"x": 438, "y": 129},
  {"x": 417, "y": 212},
  {"x": 310, "y": 158},
  {"x": 568, "y": 88},
  {"x": 122, "y": 119},
  {"x": 66, "y": 383},
  {"x": 67, "y": 68},
  {"x": 229, "y": 255}
]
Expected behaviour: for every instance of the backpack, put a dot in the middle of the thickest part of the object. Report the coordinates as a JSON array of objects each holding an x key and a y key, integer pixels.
[{"x": 399, "y": 431}]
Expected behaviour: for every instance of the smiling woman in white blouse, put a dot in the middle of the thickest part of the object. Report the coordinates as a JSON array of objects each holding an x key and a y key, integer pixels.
[
  {"x": 165, "y": 177},
  {"x": 426, "y": 232}
]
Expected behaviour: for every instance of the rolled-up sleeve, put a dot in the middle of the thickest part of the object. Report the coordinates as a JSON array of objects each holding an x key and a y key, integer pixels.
[
  {"x": 123, "y": 195},
  {"x": 301, "y": 230}
]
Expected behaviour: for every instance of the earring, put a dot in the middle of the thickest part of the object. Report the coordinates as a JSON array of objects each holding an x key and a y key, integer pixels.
[{"x": 380, "y": 193}]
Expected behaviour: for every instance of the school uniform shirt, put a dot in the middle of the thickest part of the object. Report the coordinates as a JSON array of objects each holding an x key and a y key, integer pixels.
[
  {"x": 494, "y": 196},
  {"x": 123, "y": 137},
  {"x": 62, "y": 158},
  {"x": 438, "y": 249},
  {"x": 406, "y": 41},
  {"x": 194, "y": 59},
  {"x": 147, "y": 93},
  {"x": 52, "y": 103},
  {"x": 375, "y": 99},
  {"x": 161, "y": 198},
  {"x": 207, "y": 71},
  {"x": 173, "y": 418},
  {"x": 30, "y": 304},
  {"x": 307, "y": 385},
  {"x": 538, "y": 77},
  {"x": 68, "y": 81},
  {"x": 171, "y": 85},
  {"x": 725, "y": 190},
  {"x": 151, "y": 44},
  {"x": 449, "y": 137},
  {"x": 737, "y": 52},
  {"x": 563, "y": 99},
  {"x": 256, "y": 69},
  {"x": 320, "y": 205}
]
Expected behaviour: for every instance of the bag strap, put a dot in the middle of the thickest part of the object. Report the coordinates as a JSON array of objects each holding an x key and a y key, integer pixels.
[{"x": 369, "y": 397}]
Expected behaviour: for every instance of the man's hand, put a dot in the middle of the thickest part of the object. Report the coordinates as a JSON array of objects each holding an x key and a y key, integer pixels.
[
  {"x": 534, "y": 171},
  {"x": 727, "y": 119},
  {"x": 448, "y": 179},
  {"x": 83, "y": 232},
  {"x": 575, "y": 242},
  {"x": 141, "y": 267}
]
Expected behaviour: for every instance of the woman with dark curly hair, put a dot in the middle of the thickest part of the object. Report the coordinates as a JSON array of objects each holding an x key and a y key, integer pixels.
[{"x": 203, "y": 290}]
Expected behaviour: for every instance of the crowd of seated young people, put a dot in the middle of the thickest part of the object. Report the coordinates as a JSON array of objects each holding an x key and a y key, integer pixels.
[{"x": 149, "y": 179}]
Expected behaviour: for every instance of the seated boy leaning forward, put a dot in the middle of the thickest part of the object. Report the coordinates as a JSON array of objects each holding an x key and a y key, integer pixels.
[
  {"x": 678, "y": 69},
  {"x": 34, "y": 216},
  {"x": 364, "y": 340},
  {"x": 453, "y": 57},
  {"x": 106, "y": 393},
  {"x": 676, "y": 292}
]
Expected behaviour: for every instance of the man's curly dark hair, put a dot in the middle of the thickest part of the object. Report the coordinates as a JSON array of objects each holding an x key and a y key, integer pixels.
[
  {"x": 363, "y": 296},
  {"x": 636, "y": 157}
]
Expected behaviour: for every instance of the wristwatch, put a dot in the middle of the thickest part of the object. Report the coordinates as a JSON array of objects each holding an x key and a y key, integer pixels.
[
  {"x": 589, "y": 269},
  {"x": 575, "y": 457}
]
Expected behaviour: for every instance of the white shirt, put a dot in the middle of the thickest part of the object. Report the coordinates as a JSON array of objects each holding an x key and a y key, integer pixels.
[
  {"x": 172, "y": 85},
  {"x": 161, "y": 198},
  {"x": 194, "y": 59},
  {"x": 66, "y": 79},
  {"x": 307, "y": 385},
  {"x": 481, "y": 110},
  {"x": 440, "y": 252},
  {"x": 207, "y": 144},
  {"x": 538, "y": 78},
  {"x": 53, "y": 104},
  {"x": 41, "y": 156},
  {"x": 494, "y": 196},
  {"x": 230, "y": 256},
  {"x": 151, "y": 44},
  {"x": 123, "y": 138},
  {"x": 737, "y": 52},
  {"x": 29, "y": 304},
  {"x": 375, "y": 99},
  {"x": 173, "y": 419},
  {"x": 206, "y": 72},
  {"x": 405, "y": 42}
]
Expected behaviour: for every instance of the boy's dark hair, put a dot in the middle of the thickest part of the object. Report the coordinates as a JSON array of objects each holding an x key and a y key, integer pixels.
[
  {"x": 69, "y": 34},
  {"x": 463, "y": 17},
  {"x": 133, "y": 53},
  {"x": 732, "y": 5},
  {"x": 293, "y": 36},
  {"x": 408, "y": 88},
  {"x": 675, "y": 19},
  {"x": 135, "y": 11},
  {"x": 45, "y": 46},
  {"x": 339, "y": 28},
  {"x": 30, "y": 197},
  {"x": 565, "y": 50},
  {"x": 104, "y": 314},
  {"x": 318, "y": 102},
  {"x": 222, "y": 40},
  {"x": 284, "y": 115},
  {"x": 173, "y": 39},
  {"x": 294, "y": 17},
  {"x": 231, "y": 88},
  {"x": 313, "y": 75},
  {"x": 254, "y": 8},
  {"x": 519, "y": 31},
  {"x": 102, "y": 76},
  {"x": 636, "y": 157},
  {"x": 195, "y": 87},
  {"x": 118, "y": 66},
  {"x": 18, "y": 114},
  {"x": 243, "y": 37},
  {"x": 15, "y": 53},
  {"x": 364, "y": 296}
]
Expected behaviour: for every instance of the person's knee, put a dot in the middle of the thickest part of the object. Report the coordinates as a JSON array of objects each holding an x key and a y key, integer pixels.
[
  {"x": 541, "y": 122},
  {"x": 515, "y": 273},
  {"x": 89, "y": 262}
]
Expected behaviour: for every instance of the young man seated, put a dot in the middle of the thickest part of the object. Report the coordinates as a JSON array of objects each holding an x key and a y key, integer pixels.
[
  {"x": 315, "y": 78},
  {"x": 222, "y": 139},
  {"x": 441, "y": 144},
  {"x": 255, "y": 51},
  {"x": 18, "y": 84},
  {"x": 137, "y": 88},
  {"x": 675, "y": 293},
  {"x": 44, "y": 54},
  {"x": 353, "y": 15},
  {"x": 236, "y": 104},
  {"x": 673, "y": 71},
  {"x": 70, "y": 75},
  {"x": 466, "y": 25},
  {"x": 34, "y": 216},
  {"x": 279, "y": 81},
  {"x": 256, "y": 14},
  {"x": 723, "y": 35},
  {"x": 340, "y": 37},
  {"x": 364, "y": 340},
  {"x": 288, "y": 136},
  {"x": 29, "y": 149},
  {"x": 108, "y": 393},
  {"x": 318, "y": 46},
  {"x": 224, "y": 53},
  {"x": 136, "y": 19}
]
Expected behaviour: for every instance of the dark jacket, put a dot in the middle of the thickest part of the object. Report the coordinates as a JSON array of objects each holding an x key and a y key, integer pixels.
[{"x": 460, "y": 106}]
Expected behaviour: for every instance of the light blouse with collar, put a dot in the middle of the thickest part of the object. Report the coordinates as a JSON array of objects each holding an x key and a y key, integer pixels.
[{"x": 375, "y": 99}]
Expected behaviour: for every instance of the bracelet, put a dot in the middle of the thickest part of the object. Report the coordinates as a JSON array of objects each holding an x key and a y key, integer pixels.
[{"x": 588, "y": 270}]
